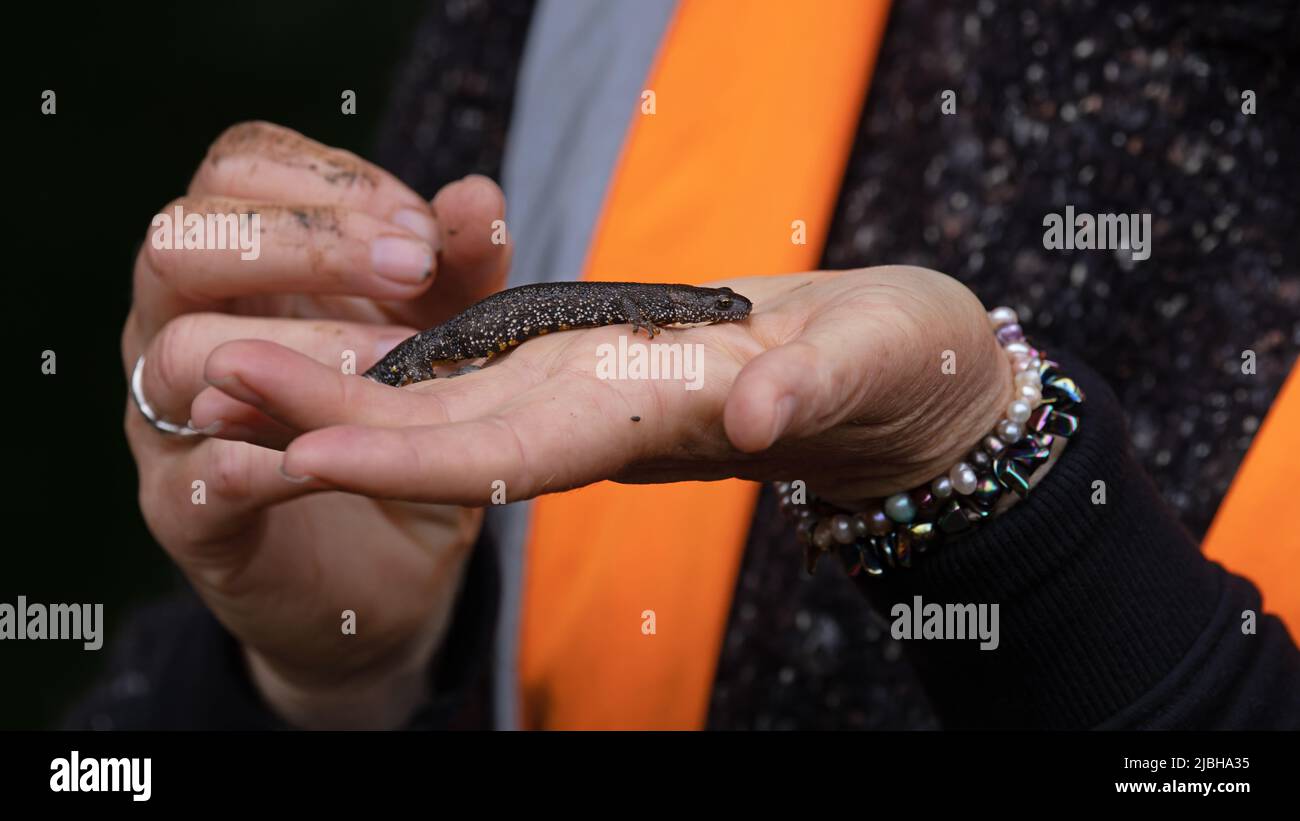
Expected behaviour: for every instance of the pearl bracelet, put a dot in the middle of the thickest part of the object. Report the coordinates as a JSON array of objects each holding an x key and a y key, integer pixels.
[{"x": 892, "y": 532}]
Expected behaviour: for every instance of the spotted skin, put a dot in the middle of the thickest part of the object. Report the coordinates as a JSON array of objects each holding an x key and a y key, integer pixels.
[{"x": 508, "y": 318}]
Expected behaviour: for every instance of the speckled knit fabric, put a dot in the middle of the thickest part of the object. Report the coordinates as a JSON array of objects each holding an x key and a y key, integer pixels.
[
  {"x": 450, "y": 109},
  {"x": 1116, "y": 107},
  {"x": 807, "y": 652},
  {"x": 1110, "y": 107}
]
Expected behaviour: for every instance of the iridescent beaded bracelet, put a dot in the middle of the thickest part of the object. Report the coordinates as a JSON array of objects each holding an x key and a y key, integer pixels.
[{"x": 892, "y": 533}]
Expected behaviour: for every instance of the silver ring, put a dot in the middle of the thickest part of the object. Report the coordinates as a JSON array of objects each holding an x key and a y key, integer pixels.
[{"x": 147, "y": 411}]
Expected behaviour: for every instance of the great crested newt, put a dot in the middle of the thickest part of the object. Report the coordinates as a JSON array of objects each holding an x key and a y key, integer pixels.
[{"x": 510, "y": 317}]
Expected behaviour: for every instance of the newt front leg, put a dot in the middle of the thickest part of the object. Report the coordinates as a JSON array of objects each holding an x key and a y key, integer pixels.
[{"x": 638, "y": 318}]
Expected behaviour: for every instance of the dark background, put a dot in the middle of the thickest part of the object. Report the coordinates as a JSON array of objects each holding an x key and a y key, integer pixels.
[{"x": 143, "y": 89}]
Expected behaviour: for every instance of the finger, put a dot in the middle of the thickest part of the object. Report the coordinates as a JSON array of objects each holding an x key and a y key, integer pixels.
[
  {"x": 268, "y": 162},
  {"x": 199, "y": 491},
  {"x": 535, "y": 446},
  {"x": 252, "y": 248},
  {"x": 303, "y": 394},
  {"x": 222, "y": 416},
  {"x": 208, "y": 493},
  {"x": 476, "y": 247},
  {"x": 457, "y": 463},
  {"x": 174, "y": 359}
]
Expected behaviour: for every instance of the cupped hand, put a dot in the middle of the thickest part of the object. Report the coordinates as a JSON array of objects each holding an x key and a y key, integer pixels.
[
  {"x": 862, "y": 383},
  {"x": 350, "y": 261}
]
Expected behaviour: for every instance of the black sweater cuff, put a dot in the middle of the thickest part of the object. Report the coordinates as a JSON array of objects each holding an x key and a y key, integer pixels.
[{"x": 1109, "y": 615}]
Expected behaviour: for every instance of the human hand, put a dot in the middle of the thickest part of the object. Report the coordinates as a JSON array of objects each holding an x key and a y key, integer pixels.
[
  {"x": 836, "y": 378},
  {"x": 350, "y": 260}
]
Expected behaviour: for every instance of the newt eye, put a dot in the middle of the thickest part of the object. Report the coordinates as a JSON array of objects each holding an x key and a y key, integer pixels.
[{"x": 724, "y": 302}]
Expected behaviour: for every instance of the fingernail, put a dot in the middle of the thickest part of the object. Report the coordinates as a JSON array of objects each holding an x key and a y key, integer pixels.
[
  {"x": 232, "y": 386},
  {"x": 210, "y": 430},
  {"x": 785, "y": 408},
  {"x": 402, "y": 260},
  {"x": 297, "y": 480},
  {"x": 236, "y": 433},
  {"x": 419, "y": 223}
]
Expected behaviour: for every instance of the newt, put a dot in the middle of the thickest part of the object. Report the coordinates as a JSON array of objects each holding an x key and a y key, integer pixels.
[{"x": 508, "y": 318}]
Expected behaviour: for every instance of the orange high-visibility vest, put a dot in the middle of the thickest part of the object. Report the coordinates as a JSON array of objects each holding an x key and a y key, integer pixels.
[
  {"x": 756, "y": 106},
  {"x": 1255, "y": 532}
]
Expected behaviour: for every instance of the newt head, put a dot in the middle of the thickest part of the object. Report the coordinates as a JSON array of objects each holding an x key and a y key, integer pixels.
[
  {"x": 397, "y": 375},
  {"x": 401, "y": 366},
  {"x": 709, "y": 305}
]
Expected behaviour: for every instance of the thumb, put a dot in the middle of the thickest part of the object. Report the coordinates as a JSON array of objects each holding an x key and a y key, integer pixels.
[{"x": 797, "y": 389}]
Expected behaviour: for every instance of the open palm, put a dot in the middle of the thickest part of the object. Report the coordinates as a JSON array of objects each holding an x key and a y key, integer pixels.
[{"x": 836, "y": 378}]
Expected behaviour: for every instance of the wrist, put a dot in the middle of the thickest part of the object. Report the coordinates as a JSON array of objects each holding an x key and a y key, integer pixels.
[
  {"x": 375, "y": 702},
  {"x": 378, "y": 683},
  {"x": 372, "y": 688},
  {"x": 1007, "y": 461}
]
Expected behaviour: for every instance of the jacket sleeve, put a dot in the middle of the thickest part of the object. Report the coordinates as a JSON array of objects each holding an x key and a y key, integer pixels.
[
  {"x": 175, "y": 667},
  {"x": 1109, "y": 616}
]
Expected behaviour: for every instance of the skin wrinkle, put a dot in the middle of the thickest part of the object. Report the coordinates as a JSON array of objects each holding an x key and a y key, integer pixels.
[
  {"x": 385, "y": 644},
  {"x": 520, "y": 462},
  {"x": 439, "y": 559},
  {"x": 287, "y": 149},
  {"x": 736, "y": 346},
  {"x": 229, "y": 474},
  {"x": 217, "y": 564},
  {"x": 227, "y": 458},
  {"x": 686, "y": 441},
  {"x": 613, "y": 464},
  {"x": 882, "y": 311},
  {"x": 314, "y": 218},
  {"x": 828, "y": 414},
  {"x": 364, "y": 659},
  {"x": 315, "y": 570},
  {"x": 417, "y": 458},
  {"x": 583, "y": 379},
  {"x": 661, "y": 417},
  {"x": 351, "y": 394},
  {"x": 440, "y": 414},
  {"x": 170, "y": 347},
  {"x": 926, "y": 417},
  {"x": 311, "y": 224},
  {"x": 320, "y": 268},
  {"x": 581, "y": 383},
  {"x": 876, "y": 399}
]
